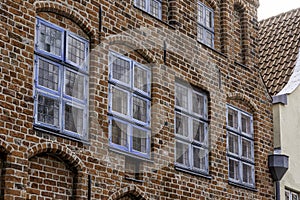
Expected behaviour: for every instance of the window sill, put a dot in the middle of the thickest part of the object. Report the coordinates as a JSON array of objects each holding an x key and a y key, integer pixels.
[
  {"x": 241, "y": 65},
  {"x": 212, "y": 49},
  {"x": 131, "y": 155},
  {"x": 247, "y": 187},
  {"x": 58, "y": 134},
  {"x": 193, "y": 172},
  {"x": 133, "y": 179}
]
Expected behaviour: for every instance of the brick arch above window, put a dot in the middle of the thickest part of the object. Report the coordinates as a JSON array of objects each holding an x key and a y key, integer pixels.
[
  {"x": 60, "y": 151},
  {"x": 68, "y": 12},
  {"x": 247, "y": 100},
  {"x": 5, "y": 147},
  {"x": 134, "y": 45},
  {"x": 129, "y": 191}
]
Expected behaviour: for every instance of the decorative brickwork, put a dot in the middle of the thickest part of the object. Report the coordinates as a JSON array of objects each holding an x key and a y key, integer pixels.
[{"x": 42, "y": 163}]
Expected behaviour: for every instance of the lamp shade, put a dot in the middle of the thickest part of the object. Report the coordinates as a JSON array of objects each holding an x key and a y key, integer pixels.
[{"x": 278, "y": 165}]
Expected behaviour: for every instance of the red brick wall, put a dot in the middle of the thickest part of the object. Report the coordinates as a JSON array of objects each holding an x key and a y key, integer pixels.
[{"x": 127, "y": 29}]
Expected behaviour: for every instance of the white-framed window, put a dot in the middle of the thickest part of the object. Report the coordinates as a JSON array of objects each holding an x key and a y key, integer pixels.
[
  {"x": 129, "y": 105},
  {"x": 191, "y": 128},
  {"x": 205, "y": 25},
  {"x": 240, "y": 146},
  {"x": 153, "y": 7},
  {"x": 291, "y": 195},
  {"x": 61, "y": 80}
]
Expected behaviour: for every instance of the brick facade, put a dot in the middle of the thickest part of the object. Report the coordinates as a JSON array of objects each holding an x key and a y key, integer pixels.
[{"x": 42, "y": 164}]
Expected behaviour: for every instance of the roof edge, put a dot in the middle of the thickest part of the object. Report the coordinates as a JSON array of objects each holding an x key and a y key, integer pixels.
[{"x": 294, "y": 80}]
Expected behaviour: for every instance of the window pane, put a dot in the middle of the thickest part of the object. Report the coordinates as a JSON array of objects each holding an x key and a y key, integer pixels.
[
  {"x": 119, "y": 101},
  {"x": 233, "y": 142},
  {"x": 247, "y": 174},
  {"x": 209, "y": 38},
  {"x": 246, "y": 124},
  {"x": 74, "y": 85},
  {"x": 181, "y": 96},
  {"x": 199, "y": 131},
  {"x": 141, "y": 79},
  {"x": 139, "y": 140},
  {"x": 287, "y": 195},
  {"x": 294, "y": 196},
  {"x": 232, "y": 118},
  {"x": 140, "y": 109},
  {"x": 48, "y": 110},
  {"x": 76, "y": 50},
  {"x": 119, "y": 133},
  {"x": 155, "y": 8},
  {"x": 181, "y": 125},
  {"x": 120, "y": 69},
  {"x": 208, "y": 19},
  {"x": 141, "y": 4},
  {"x": 199, "y": 158},
  {"x": 233, "y": 169},
  {"x": 246, "y": 148},
  {"x": 200, "y": 14},
  {"x": 50, "y": 40},
  {"x": 200, "y": 33},
  {"x": 74, "y": 118},
  {"x": 182, "y": 153},
  {"x": 48, "y": 75},
  {"x": 198, "y": 104}
]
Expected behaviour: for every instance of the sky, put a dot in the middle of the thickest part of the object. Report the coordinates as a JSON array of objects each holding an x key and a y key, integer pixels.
[{"x": 269, "y": 8}]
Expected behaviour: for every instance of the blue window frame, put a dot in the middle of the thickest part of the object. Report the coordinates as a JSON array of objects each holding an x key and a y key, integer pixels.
[
  {"x": 191, "y": 129},
  {"x": 129, "y": 105},
  {"x": 153, "y": 7},
  {"x": 205, "y": 27},
  {"x": 61, "y": 80},
  {"x": 240, "y": 146}
]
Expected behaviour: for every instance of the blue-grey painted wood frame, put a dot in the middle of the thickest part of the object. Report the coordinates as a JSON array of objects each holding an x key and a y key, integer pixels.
[{"x": 63, "y": 64}]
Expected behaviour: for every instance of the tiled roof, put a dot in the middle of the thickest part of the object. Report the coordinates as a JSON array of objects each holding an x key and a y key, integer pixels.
[{"x": 278, "y": 48}]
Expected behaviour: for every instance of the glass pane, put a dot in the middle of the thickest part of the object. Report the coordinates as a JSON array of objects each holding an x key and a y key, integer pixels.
[
  {"x": 141, "y": 79},
  {"x": 182, "y": 153},
  {"x": 246, "y": 148},
  {"x": 287, "y": 195},
  {"x": 246, "y": 124},
  {"x": 74, "y": 118},
  {"x": 294, "y": 196},
  {"x": 155, "y": 8},
  {"x": 200, "y": 33},
  {"x": 233, "y": 143},
  {"x": 199, "y": 131},
  {"x": 50, "y": 40},
  {"x": 198, "y": 104},
  {"x": 48, "y": 75},
  {"x": 76, "y": 50},
  {"x": 181, "y": 96},
  {"x": 48, "y": 110},
  {"x": 139, "y": 140},
  {"x": 120, "y": 69},
  {"x": 141, "y": 4},
  {"x": 232, "y": 118},
  {"x": 247, "y": 174},
  {"x": 200, "y": 14},
  {"x": 209, "y": 38},
  {"x": 119, "y": 101},
  {"x": 181, "y": 125},
  {"x": 208, "y": 19},
  {"x": 233, "y": 169},
  {"x": 199, "y": 157},
  {"x": 140, "y": 109},
  {"x": 119, "y": 133},
  {"x": 74, "y": 85}
]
